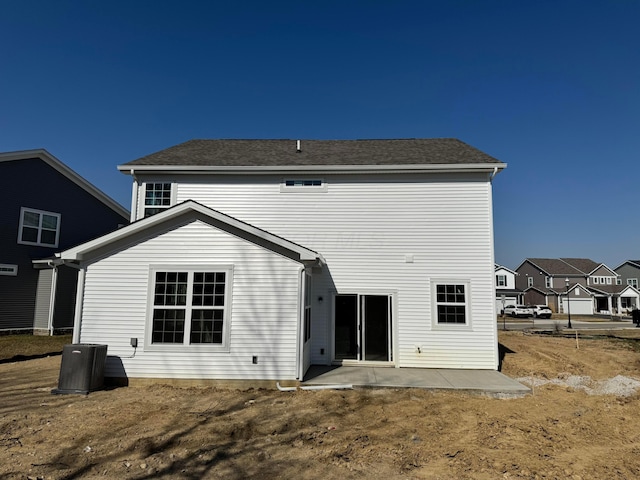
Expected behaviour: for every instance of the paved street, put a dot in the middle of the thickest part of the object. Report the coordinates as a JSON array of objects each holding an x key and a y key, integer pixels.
[{"x": 544, "y": 324}]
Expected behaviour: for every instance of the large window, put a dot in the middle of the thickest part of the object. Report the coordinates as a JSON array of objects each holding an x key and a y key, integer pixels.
[
  {"x": 451, "y": 304},
  {"x": 633, "y": 282},
  {"x": 38, "y": 227},
  {"x": 157, "y": 197},
  {"x": 190, "y": 307}
]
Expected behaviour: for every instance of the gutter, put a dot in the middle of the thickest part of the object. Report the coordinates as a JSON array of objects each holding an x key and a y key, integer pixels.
[
  {"x": 310, "y": 169},
  {"x": 77, "y": 319},
  {"x": 300, "y": 332}
]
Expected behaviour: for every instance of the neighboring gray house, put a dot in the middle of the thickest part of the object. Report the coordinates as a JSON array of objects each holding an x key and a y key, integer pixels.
[
  {"x": 506, "y": 291},
  {"x": 47, "y": 208},
  {"x": 593, "y": 287},
  {"x": 629, "y": 275},
  {"x": 254, "y": 259}
]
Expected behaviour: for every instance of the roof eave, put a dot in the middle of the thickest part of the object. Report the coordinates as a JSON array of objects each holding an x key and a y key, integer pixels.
[
  {"x": 56, "y": 164},
  {"x": 311, "y": 169}
]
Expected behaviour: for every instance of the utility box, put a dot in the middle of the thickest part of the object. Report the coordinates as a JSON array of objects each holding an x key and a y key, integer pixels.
[{"x": 82, "y": 368}]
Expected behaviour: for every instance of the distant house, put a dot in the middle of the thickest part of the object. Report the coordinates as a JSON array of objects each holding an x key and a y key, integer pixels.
[
  {"x": 47, "y": 208},
  {"x": 593, "y": 287},
  {"x": 629, "y": 275},
  {"x": 506, "y": 291},
  {"x": 254, "y": 259}
]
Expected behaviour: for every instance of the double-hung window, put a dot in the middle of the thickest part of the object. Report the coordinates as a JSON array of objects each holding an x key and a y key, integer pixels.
[
  {"x": 501, "y": 280},
  {"x": 38, "y": 227},
  {"x": 451, "y": 303},
  {"x": 190, "y": 306},
  {"x": 157, "y": 197},
  {"x": 633, "y": 282}
]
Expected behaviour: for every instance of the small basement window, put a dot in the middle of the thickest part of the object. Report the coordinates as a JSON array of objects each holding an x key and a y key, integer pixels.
[
  {"x": 6, "y": 269},
  {"x": 303, "y": 185}
]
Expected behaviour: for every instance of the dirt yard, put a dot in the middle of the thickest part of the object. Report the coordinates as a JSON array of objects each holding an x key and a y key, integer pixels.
[{"x": 558, "y": 432}]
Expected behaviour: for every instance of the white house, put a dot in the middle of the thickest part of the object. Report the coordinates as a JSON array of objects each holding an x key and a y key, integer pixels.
[
  {"x": 254, "y": 259},
  {"x": 506, "y": 291}
]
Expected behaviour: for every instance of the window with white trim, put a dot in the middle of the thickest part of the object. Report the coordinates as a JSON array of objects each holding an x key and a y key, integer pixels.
[
  {"x": 548, "y": 282},
  {"x": 608, "y": 280},
  {"x": 596, "y": 280},
  {"x": 38, "y": 227},
  {"x": 618, "y": 281},
  {"x": 633, "y": 282},
  {"x": 529, "y": 281},
  {"x": 501, "y": 280},
  {"x": 189, "y": 307},
  {"x": 451, "y": 304},
  {"x": 6, "y": 269},
  {"x": 157, "y": 197}
]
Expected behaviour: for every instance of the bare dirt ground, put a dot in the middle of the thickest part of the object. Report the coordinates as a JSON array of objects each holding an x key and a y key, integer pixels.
[{"x": 160, "y": 431}]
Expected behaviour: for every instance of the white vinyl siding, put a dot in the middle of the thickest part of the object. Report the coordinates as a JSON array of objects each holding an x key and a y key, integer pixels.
[
  {"x": 365, "y": 226},
  {"x": 263, "y": 310}
]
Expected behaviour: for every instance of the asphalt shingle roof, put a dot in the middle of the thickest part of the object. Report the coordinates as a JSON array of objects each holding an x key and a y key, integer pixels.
[
  {"x": 238, "y": 153},
  {"x": 555, "y": 266}
]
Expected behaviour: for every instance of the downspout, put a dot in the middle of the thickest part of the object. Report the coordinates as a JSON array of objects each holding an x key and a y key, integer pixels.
[
  {"x": 134, "y": 197},
  {"x": 300, "y": 331},
  {"x": 52, "y": 296},
  {"x": 77, "y": 320},
  {"x": 495, "y": 172}
]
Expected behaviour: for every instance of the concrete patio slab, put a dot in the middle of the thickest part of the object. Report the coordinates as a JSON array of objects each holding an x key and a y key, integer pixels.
[{"x": 480, "y": 381}]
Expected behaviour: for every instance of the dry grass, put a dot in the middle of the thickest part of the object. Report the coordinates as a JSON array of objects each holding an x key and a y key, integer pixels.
[{"x": 16, "y": 347}]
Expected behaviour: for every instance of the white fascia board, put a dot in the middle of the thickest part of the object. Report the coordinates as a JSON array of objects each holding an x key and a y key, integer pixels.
[
  {"x": 599, "y": 266},
  {"x": 78, "y": 253},
  {"x": 313, "y": 169},
  {"x": 56, "y": 164}
]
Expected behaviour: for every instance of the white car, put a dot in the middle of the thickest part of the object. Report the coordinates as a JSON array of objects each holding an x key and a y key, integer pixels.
[
  {"x": 540, "y": 311},
  {"x": 518, "y": 311}
]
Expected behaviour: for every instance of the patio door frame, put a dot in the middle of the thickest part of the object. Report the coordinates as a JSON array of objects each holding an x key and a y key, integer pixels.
[{"x": 361, "y": 328}]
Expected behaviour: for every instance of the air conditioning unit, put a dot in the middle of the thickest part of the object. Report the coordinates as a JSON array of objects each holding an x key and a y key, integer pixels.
[{"x": 82, "y": 368}]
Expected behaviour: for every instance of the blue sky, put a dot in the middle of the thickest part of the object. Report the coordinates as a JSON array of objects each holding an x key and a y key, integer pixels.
[{"x": 552, "y": 88}]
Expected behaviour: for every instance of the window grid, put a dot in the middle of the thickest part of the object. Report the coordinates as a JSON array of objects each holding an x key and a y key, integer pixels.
[
  {"x": 501, "y": 280},
  {"x": 451, "y": 304},
  {"x": 197, "y": 313},
  {"x": 157, "y": 197},
  {"x": 39, "y": 227}
]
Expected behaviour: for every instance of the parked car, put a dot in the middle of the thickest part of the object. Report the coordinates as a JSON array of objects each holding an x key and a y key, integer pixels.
[
  {"x": 518, "y": 311},
  {"x": 540, "y": 311}
]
